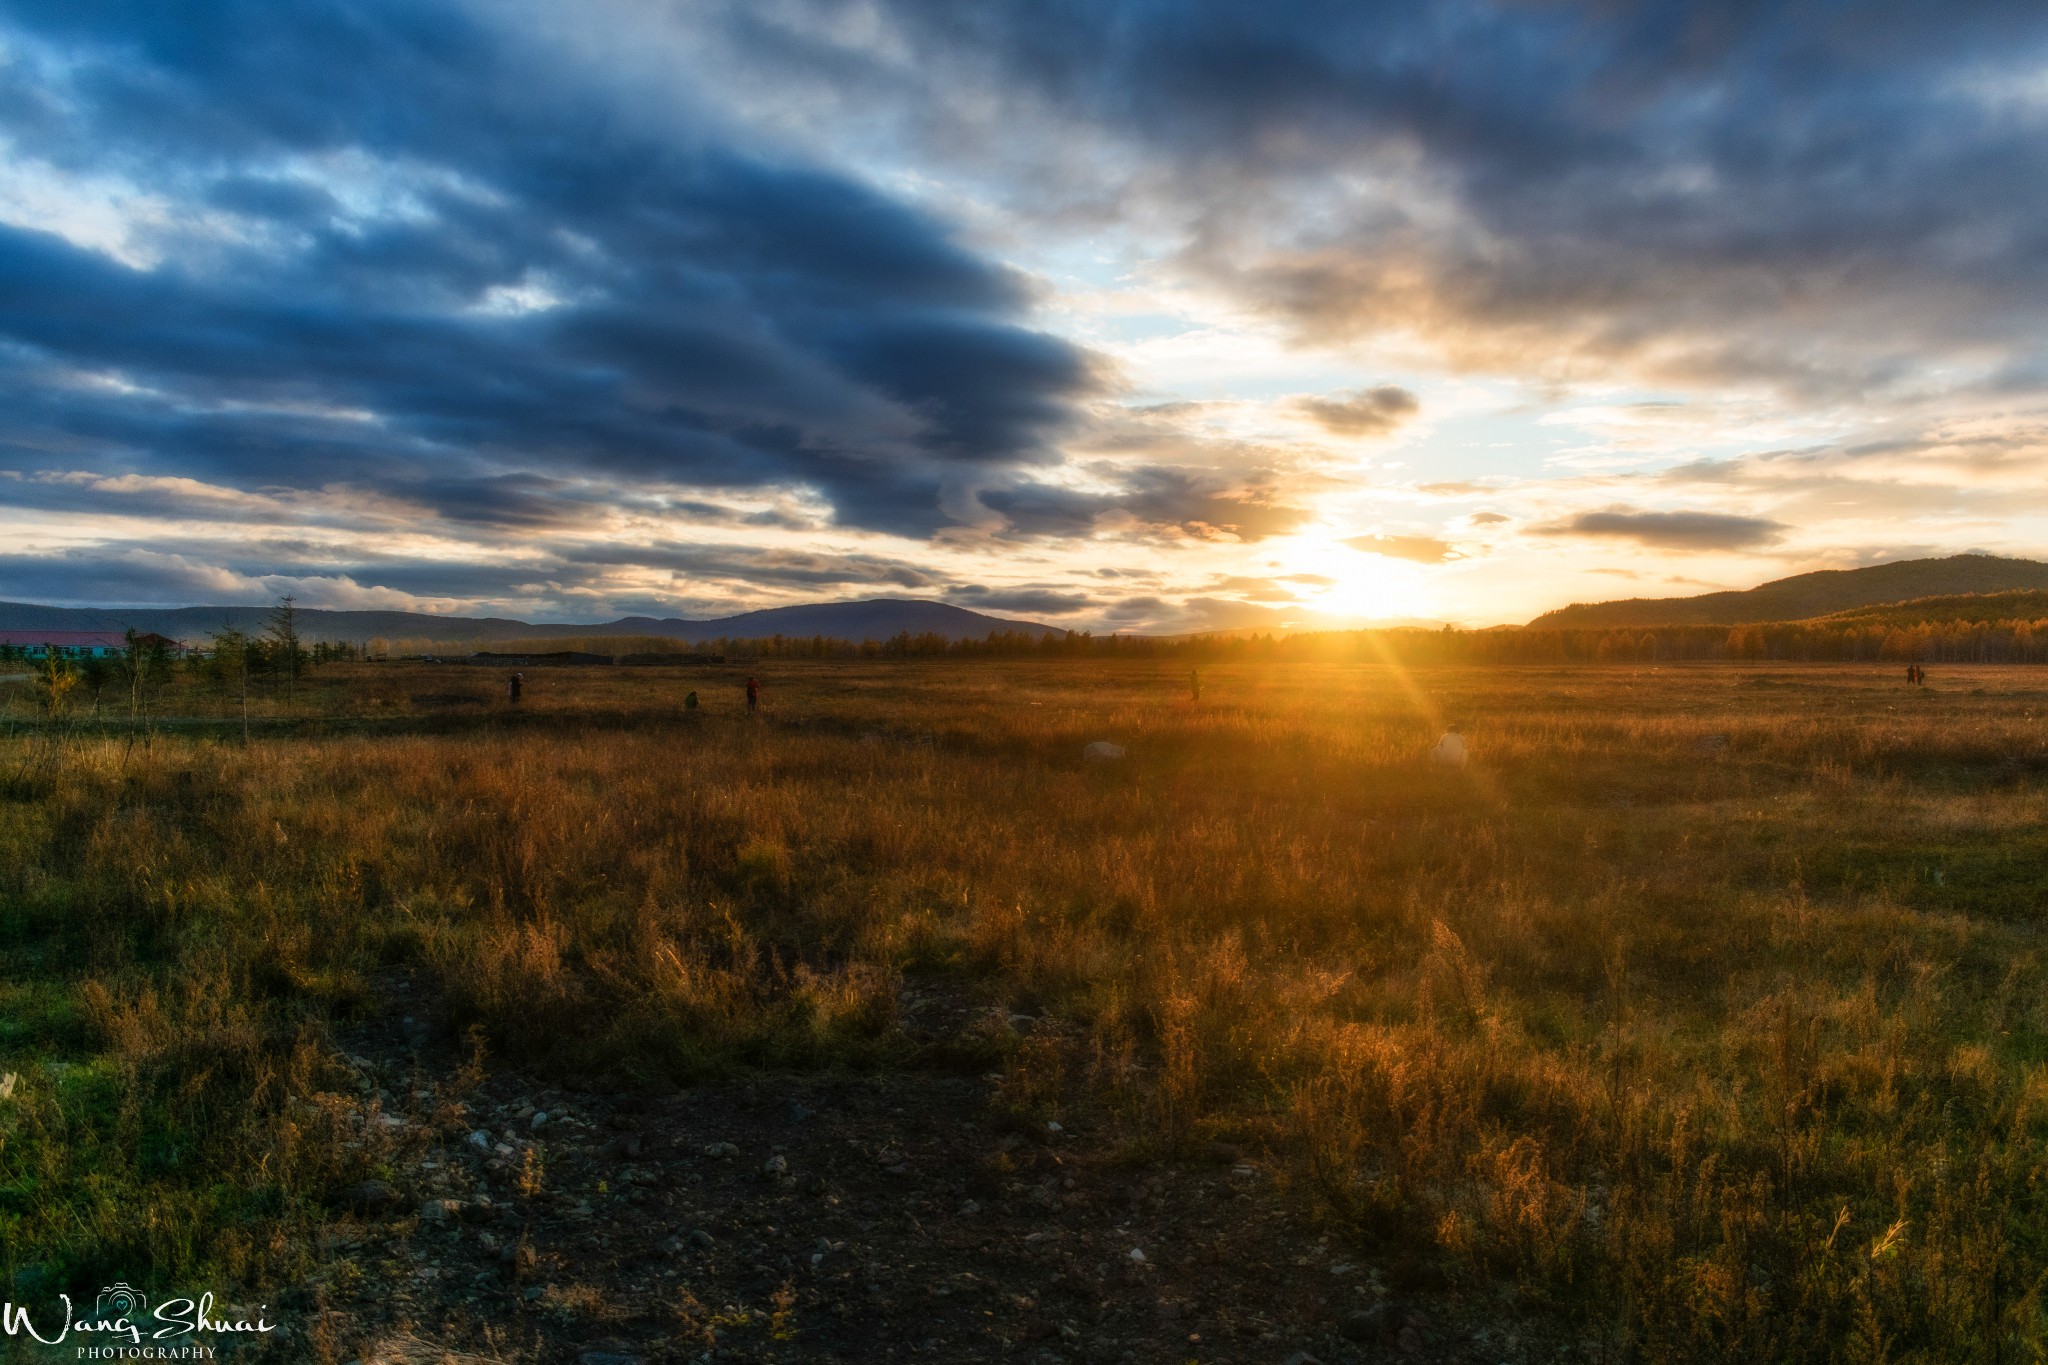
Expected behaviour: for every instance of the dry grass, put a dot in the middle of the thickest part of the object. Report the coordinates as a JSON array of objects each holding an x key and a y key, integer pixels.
[{"x": 1706, "y": 1005}]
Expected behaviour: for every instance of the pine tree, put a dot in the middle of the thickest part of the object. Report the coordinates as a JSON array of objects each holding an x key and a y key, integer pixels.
[{"x": 284, "y": 635}]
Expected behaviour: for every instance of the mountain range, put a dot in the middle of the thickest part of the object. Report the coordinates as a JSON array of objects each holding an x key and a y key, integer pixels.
[
  {"x": 877, "y": 619},
  {"x": 1798, "y": 598},
  {"x": 1807, "y": 595}
]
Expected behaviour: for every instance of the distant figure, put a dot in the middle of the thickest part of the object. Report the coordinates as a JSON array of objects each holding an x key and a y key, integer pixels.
[
  {"x": 1450, "y": 750},
  {"x": 1194, "y": 685},
  {"x": 753, "y": 694},
  {"x": 690, "y": 702},
  {"x": 515, "y": 687}
]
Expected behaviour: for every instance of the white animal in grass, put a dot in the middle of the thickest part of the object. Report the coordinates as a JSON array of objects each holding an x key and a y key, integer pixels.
[{"x": 1450, "y": 750}]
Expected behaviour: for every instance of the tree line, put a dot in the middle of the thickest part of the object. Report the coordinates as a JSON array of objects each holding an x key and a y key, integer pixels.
[
  {"x": 1819, "y": 641},
  {"x": 275, "y": 659}
]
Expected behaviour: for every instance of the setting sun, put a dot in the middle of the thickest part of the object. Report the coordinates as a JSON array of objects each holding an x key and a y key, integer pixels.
[{"x": 1366, "y": 587}]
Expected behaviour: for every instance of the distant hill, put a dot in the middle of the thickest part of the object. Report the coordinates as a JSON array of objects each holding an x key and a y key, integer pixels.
[
  {"x": 1809, "y": 594},
  {"x": 878, "y": 619},
  {"x": 1963, "y": 609}
]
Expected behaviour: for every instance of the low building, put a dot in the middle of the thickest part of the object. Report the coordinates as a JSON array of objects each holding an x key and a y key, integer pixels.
[
  {"x": 559, "y": 656},
  {"x": 80, "y": 644}
]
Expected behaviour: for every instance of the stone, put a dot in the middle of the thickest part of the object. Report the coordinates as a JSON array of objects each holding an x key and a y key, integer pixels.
[
  {"x": 373, "y": 1198},
  {"x": 480, "y": 1140},
  {"x": 1102, "y": 751},
  {"x": 441, "y": 1210},
  {"x": 777, "y": 1165},
  {"x": 1364, "y": 1325},
  {"x": 608, "y": 1358},
  {"x": 1450, "y": 751},
  {"x": 720, "y": 1151},
  {"x": 538, "y": 1121},
  {"x": 1223, "y": 1153},
  {"x": 701, "y": 1239}
]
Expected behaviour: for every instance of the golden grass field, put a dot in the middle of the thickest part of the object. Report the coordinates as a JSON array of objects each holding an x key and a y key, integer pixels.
[{"x": 1706, "y": 1005}]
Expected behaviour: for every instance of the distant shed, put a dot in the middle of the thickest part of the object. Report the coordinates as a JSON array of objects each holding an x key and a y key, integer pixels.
[
  {"x": 672, "y": 660},
  {"x": 560, "y": 656}
]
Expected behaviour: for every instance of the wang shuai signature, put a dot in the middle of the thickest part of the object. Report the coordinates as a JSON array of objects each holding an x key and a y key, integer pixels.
[{"x": 121, "y": 1314}]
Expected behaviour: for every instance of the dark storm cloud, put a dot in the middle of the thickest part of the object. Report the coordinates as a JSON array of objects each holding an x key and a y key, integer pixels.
[
  {"x": 172, "y": 574},
  {"x": 1155, "y": 499},
  {"x": 134, "y": 496},
  {"x": 493, "y": 511},
  {"x": 1136, "y": 608},
  {"x": 1669, "y": 530},
  {"x": 106, "y": 577},
  {"x": 1367, "y": 412},
  {"x": 756, "y": 565},
  {"x": 579, "y": 578},
  {"x": 1806, "y": 195},
  {"x": 1035, "y": 601},
  {"x": 404, "y": 250}
]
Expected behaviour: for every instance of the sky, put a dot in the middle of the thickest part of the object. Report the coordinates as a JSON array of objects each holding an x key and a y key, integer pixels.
[{"x": 1155, "y": 315}]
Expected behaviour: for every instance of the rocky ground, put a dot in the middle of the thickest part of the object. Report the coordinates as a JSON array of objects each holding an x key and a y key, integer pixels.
[{"x": 899, "y": 1217}]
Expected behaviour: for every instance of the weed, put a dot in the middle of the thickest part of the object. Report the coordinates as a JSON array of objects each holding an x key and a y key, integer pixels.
[{"x": 1657, "y": 1013}]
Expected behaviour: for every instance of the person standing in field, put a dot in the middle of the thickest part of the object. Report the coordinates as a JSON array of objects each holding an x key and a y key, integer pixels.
[
  {"x": 515, "y": 687},
  {"x": 753, "y": 694},
  {"x": 1194, "y": 685}
]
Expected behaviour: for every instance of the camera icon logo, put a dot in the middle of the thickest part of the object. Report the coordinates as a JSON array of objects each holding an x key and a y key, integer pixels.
[{"x": 117, "y": 1300}]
